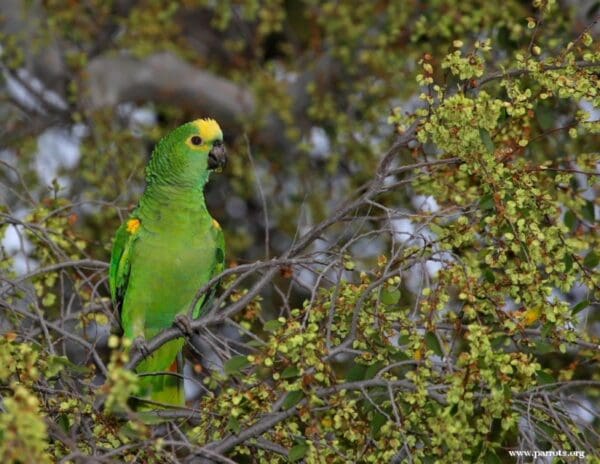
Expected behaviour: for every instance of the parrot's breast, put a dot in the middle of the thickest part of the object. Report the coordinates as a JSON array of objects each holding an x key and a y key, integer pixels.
[{"x": 170, "y": 263}]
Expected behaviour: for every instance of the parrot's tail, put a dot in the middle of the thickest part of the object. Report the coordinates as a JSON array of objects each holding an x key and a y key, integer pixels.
[{"x": 166, "y": 389}]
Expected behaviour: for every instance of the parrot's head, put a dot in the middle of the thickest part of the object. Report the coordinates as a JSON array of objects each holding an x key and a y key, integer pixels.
[
  {"x": 204, "y": 140},
  {"x": 188, "y": 153}
]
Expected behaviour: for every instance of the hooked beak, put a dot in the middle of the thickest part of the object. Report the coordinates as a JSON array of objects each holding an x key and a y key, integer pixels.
[{"x": 217, "y": 156}]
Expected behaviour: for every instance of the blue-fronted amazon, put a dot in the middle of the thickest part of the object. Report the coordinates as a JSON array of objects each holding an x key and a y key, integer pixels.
[{"x": 168, "y": 248}]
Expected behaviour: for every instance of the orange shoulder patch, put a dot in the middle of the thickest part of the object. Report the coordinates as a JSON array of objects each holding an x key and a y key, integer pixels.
[{"x": 133, "y": 225}]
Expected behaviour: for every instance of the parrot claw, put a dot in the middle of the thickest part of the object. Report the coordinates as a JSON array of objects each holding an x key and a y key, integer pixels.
[
  {"x": 184, "y": 324},
  {"x": 140, "y": 344}
]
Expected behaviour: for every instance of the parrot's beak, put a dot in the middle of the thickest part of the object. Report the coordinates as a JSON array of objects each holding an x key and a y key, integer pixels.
[{"x": 217, "y": 156}]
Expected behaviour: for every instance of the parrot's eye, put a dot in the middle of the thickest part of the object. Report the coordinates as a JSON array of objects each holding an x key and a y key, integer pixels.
[{"x": 196, "y": 140}]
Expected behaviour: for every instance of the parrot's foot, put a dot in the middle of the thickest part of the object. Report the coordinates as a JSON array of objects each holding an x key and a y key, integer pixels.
[
  {"x": 184, "y": 324},
  {"x": 140, "y": 344}
]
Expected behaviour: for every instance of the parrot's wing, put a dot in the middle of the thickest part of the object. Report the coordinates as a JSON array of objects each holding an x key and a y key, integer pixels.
[{"x": 120, "y": 263}]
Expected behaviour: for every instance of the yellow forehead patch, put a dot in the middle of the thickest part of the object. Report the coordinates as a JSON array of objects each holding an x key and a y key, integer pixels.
[
  {"x": 209, "y": 129},
  {"x": 133, "y": 225}
]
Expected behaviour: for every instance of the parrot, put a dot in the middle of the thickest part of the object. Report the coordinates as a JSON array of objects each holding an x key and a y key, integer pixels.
[{"x": 168, "y": 248}]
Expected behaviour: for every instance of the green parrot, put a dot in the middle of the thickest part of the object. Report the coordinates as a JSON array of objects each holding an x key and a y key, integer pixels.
[{"x": 169, "y": 247}]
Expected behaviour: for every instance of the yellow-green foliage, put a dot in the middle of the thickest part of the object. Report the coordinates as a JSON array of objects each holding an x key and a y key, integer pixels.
[
  {"x": 121, "y": 382},
  {"x": 382, "y": 358},
  {"x": 24, "y": 437}
]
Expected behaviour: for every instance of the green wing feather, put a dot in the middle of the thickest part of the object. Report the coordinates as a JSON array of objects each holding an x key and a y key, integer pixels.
[{"x": 120, "y": 264}]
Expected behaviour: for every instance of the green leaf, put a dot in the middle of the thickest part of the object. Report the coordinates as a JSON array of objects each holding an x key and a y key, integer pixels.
[
  {"x": 255, "y": 343},
  {"x": 487, "y": 140},
  {"x": 545, "y": 117},
  {"x": 570, "y": 219},
  {"x": 542, "y": 347},
  {"x": 58, "y": 363},
  {"x": 491, "y": 457},
  {"x": 547, "y": 329},
  {"x": 499, "y": 342},
  {"x": 568, "y": 260},
  {"x": 63, "y": 422},
  {"x": 433, "y": 343},
  {"x": 588, "y": 211},
  {"x": 437, "y": 230},
  {"x": 356, "y": 373},
  {"x": 543, "y": 378},
  {"x": 235, "y": 364},
  {"x": 591, "y": 260},
  {"x": 289, "y": 372},
  {"x": 487, "y": 202},
  {"x": 292, "y": 399},
  {"x": 503, "y": 37},
  {"x": 297, "y": 452},
  {"x": 372, "y": 370},
  {"x": 580, "y": 307},
  {"x": 377, "y": 422},
  {"x": 398, "y": 355},
  {"x": 489, "y": 276},
  {"x": 403, "y": 340},
  {"x": 476, "y": 453},
  {"x": 390, "y": 296},
  {"x": 234, "y": 425},
  {"x": 272, "y": 326}
]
